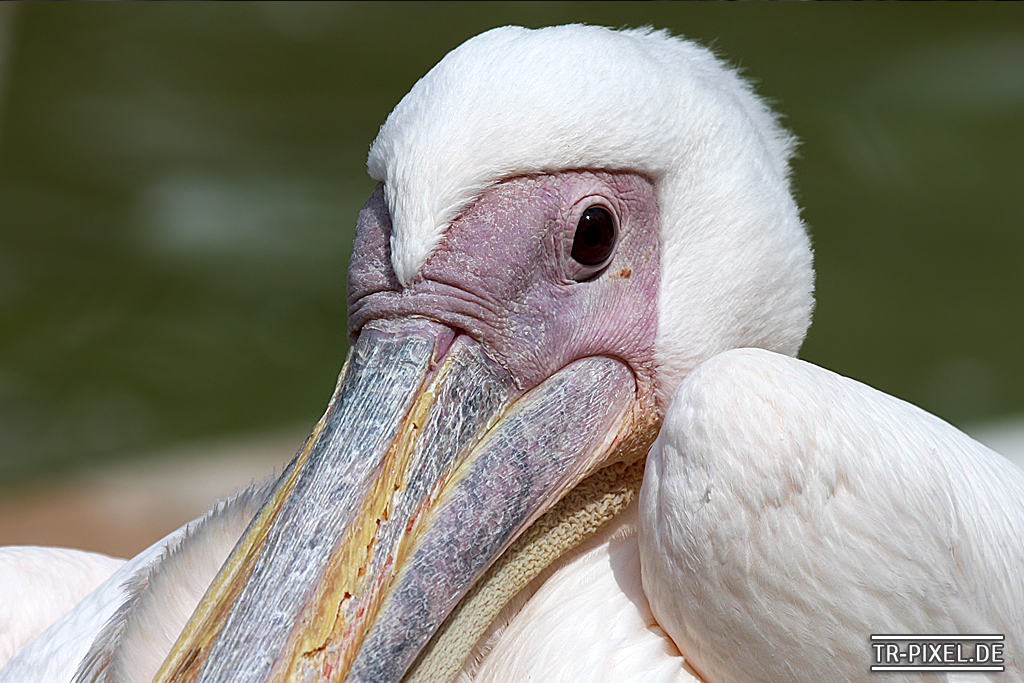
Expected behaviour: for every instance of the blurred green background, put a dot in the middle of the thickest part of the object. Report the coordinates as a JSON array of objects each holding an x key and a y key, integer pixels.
[{"x": 179, "y": 185}]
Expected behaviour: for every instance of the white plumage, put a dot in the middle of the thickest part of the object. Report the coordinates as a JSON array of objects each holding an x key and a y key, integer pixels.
[
  {"x": 122, "y": 630},
  {"x": 788, "y": 509},
  {"x": 786, "y": 514},
  {"x": 39, "y": 585},
  {"x": 586, "y": 619},
  {"x": 631, "y": 100}
]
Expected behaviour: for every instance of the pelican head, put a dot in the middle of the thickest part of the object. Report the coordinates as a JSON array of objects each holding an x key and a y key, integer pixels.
[{"x": 567, "y": 221}]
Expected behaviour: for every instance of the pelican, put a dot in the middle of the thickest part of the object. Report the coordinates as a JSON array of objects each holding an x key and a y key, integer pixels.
[{"x": 582, "y": 269}]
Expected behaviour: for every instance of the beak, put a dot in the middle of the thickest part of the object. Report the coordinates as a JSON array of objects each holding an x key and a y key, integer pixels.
[{"x": 429, "y": 462}]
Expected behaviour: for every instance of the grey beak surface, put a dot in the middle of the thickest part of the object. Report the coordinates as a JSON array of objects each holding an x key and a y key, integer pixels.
[{"x": 427, "y": 464}]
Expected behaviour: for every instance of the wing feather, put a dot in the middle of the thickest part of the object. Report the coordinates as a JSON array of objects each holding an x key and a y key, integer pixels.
[{"x": 788, "y": 513}]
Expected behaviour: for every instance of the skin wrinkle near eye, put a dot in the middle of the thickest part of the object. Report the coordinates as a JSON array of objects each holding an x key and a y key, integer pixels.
[
  {"x": 618, "y": 204},
  {"x": 513, "y": 245}
]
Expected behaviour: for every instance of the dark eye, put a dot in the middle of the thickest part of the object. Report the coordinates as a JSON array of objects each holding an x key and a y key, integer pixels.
[{"x": 595, "y": 237}]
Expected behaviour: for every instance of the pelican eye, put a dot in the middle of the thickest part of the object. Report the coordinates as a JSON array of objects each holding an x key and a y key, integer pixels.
[{"x": 595, "y": 237}]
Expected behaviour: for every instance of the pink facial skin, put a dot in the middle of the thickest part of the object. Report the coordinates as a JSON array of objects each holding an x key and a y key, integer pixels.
[{"x": 504, "y": 275}]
